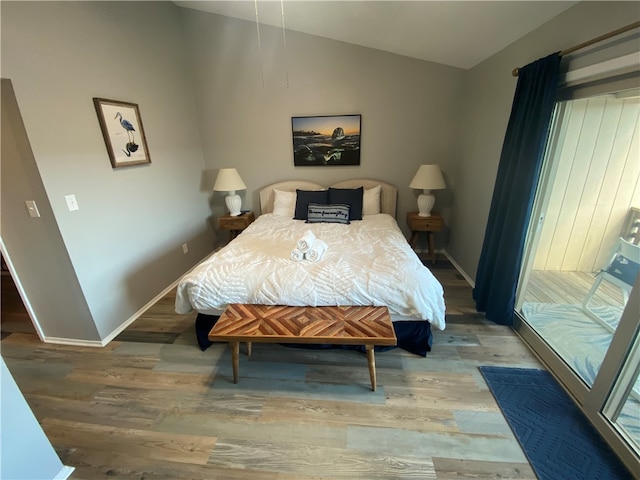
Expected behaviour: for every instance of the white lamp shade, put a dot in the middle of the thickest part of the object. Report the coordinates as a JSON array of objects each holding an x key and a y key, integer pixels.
[
  {"x": 228, "y": 180},
  {"x": 427, "y": 178}
]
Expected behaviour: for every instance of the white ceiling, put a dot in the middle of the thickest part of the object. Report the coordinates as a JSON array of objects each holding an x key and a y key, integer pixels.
[{"x": 456, "y": 33}]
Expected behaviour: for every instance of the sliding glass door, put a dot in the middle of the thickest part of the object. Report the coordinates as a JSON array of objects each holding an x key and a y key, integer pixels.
[{"x": 575, "y": 300}]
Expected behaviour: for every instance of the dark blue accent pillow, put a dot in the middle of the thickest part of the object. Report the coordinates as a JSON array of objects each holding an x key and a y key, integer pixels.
[
  {"x": 348, "y": 196},
  {"x": 304, "y": 198},
  {"x": 333, "y": 213}
]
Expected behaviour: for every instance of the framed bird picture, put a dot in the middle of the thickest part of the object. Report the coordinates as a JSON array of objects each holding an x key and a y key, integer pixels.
[{"x": 122, "y": 130}]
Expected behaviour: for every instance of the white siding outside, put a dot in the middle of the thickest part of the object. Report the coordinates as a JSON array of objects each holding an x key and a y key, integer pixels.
[{"x": 596, "y": 184}]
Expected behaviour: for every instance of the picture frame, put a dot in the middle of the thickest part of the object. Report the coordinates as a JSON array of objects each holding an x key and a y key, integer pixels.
[
  {"x": 326, "y": 140},
  {"x": 123, "y": 133}
]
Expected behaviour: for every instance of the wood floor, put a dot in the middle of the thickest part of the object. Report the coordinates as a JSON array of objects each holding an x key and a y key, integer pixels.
[{"x": 151, "y": 405}]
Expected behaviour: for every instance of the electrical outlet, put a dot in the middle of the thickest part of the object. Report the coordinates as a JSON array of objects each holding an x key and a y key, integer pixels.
[
  {"x": 185, "y": 248},
  {"x": 72, "y": 203}
]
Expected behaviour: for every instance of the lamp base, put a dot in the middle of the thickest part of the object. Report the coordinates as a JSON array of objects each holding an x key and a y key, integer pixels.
[
  {"x": 426, "y": 201},
  {"x": 234, "y": 203}
]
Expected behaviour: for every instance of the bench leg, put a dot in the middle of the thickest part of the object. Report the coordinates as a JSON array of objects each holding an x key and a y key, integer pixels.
[
  {"x": 248, "y": 349},
  {"x": 235, "y": 354},
  {"x": 371, "y": 360}
]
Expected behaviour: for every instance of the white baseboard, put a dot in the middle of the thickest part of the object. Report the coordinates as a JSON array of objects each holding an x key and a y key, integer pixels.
[
  {"x": 73, "y": 342},
  {"x": 453, "y": 262},
  {"x": 64, "y": 473},
  {"x": 105, "y": 341},
  {"x": 457, "y": 267},
  {"x": 134, "y": 317}
]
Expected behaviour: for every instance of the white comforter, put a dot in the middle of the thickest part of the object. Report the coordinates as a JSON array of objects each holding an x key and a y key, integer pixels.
[{"x": 368, "y": 262}]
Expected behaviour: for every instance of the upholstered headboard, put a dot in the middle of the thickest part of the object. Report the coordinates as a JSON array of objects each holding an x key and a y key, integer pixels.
[{"x": 388, "y": 193}]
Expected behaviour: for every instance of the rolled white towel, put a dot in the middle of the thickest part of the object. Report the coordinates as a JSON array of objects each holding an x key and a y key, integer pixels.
[
  {"x": 306, "y": 241},
  {"x": 296, "y": 255},
  {"x": 317, "y": 250}
]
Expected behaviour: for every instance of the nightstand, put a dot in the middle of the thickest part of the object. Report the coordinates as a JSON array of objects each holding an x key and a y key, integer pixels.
[
  {"x": 237, "y": 224},
  {"x": 424, "y": 224}
]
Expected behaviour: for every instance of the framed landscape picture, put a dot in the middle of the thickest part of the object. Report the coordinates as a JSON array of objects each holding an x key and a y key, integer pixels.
[
  {"x": 326, "y": 140},
  {"x": 122, "y": 130}
]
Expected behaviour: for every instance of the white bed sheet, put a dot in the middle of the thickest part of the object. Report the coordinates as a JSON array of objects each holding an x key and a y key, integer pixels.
[{"x": 367, "y": 262}]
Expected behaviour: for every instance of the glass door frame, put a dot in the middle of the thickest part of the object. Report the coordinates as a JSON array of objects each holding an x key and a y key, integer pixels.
[{"x": 592, "y": 400}]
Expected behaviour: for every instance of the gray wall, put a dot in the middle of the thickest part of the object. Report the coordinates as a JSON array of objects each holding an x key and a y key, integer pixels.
[
  {"x": 488, "y": 94},
  {"x": 125, "y": 241},
  {"x": 409, "y": 108},
  {"x": 42, "y": 260}
]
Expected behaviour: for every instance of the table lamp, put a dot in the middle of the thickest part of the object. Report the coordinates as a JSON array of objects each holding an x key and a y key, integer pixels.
[
  {"x": 427, "y": 178},
  {"x": 228, "y": 180}
]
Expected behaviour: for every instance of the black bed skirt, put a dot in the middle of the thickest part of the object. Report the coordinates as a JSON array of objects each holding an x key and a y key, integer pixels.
[{"x": 413, "y": 336}]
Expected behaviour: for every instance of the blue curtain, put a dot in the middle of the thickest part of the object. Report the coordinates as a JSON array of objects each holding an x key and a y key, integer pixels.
[{"x": 515, "y": 188}]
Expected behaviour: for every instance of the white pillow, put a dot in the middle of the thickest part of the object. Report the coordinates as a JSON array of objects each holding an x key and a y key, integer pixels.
[
  {"x": 371, "y": 201},
  {"x": 284, "y": 203}
]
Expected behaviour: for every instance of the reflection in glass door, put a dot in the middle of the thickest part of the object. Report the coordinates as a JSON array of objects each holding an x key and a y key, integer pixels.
[{"x": 582, "y": 259}]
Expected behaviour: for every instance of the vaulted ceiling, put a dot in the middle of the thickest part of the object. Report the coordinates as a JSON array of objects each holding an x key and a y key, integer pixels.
[{"x": 456, "y": 33}]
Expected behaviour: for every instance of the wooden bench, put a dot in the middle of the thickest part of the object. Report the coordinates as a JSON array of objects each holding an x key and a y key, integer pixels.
[{"x": 368, "y": 326}]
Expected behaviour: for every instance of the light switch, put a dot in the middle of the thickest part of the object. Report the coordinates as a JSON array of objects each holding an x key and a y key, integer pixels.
[
  {"x": 33, "y": 208},
  {"x": 72, "y": 203}
]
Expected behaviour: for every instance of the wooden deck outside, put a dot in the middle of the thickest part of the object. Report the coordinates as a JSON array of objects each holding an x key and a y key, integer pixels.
[{"x": 569, "y": 288}]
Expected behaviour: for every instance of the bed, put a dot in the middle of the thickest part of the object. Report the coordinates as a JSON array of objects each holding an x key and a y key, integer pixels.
[{"x": 365, "y": 262}]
